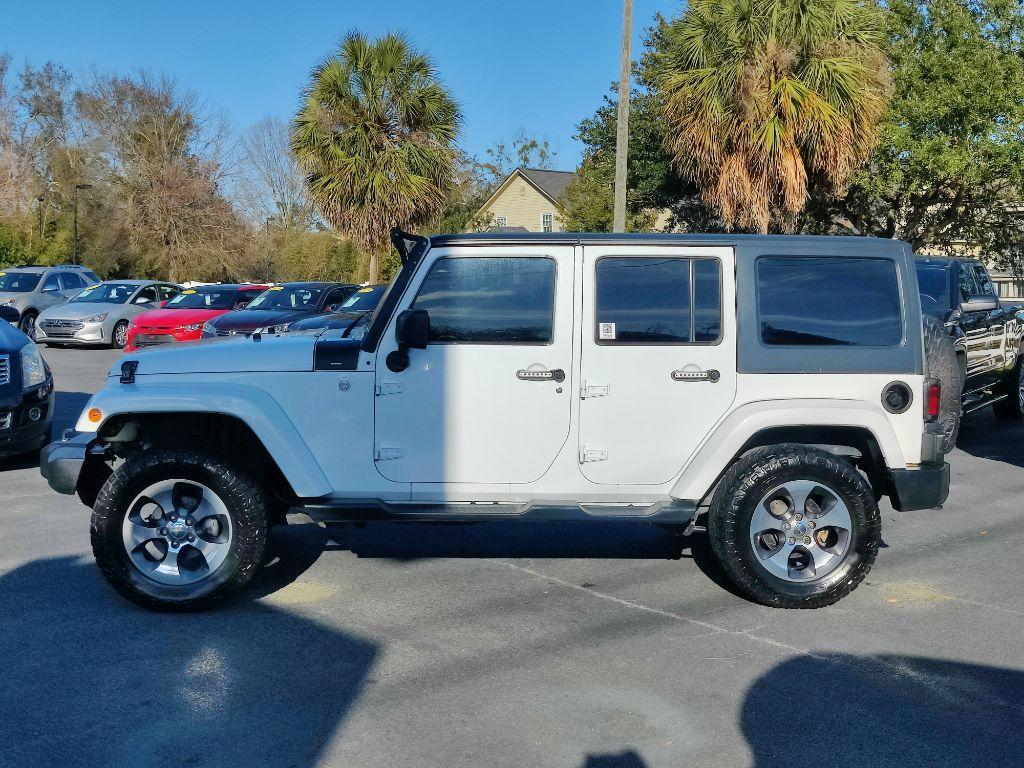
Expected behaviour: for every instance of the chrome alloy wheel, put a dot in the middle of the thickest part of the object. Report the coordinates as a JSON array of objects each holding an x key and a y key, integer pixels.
[
  {"x": 800, "y": 530},
  {"x": 177, "y": 532},
  {"x": 120, "y": 335}
]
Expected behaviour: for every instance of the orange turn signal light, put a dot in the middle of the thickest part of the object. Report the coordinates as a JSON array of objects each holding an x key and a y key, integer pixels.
[{"x": 95, "y": 415}]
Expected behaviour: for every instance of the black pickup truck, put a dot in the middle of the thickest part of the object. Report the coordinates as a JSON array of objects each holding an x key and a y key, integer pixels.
[
  {"x": 986, "y": 334},
  {"x": 26, "y": 390}
]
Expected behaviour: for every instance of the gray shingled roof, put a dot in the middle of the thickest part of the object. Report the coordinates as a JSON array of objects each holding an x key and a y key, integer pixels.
[{"x": 551, "y": 183}]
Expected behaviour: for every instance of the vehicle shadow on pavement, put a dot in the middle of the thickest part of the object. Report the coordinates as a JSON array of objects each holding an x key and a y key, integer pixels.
[
  {"x": 91, "y": 680},
  {"x": 405, "y": 542},
  {"x": 627, "y": 759},
  {"x": 885, "y": 710},
  {"x": 985, "y": 436}
]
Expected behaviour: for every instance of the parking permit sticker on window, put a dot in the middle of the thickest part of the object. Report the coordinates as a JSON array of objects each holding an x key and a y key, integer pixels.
[
  {"x": 606, "y": 331},
  {"x": 189, "y": 292},
  {"x": 365, "y": 290}
]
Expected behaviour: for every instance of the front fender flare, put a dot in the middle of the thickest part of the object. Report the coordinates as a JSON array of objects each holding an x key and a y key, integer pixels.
[
  {"x": 251, "y": 405},
  {"x": 714, "y": 456}
]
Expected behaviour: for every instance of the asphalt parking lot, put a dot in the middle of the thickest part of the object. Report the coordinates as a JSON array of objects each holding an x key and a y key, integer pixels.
[{"x": 519, "y": 645}]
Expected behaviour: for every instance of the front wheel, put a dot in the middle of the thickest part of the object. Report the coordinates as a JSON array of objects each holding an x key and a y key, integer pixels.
[
  {"x": 120, "y": 336},
  {"x": 1012, "y": 408},
  {"x": 28, "y": 324},
  {"x": 794, "y": 526},
  {"x": 179, "y": 530}
]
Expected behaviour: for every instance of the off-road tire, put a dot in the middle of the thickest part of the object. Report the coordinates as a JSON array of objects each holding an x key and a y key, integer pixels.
[
  {"x": 243, "y": 496},
  {"x": 742, "y": 489},
  {"x": 941, "y": 362},
  {"x": 1012, "y": 409}
]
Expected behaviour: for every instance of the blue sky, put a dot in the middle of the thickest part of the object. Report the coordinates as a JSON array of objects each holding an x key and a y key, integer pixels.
[{"x": 536, "y": 65}]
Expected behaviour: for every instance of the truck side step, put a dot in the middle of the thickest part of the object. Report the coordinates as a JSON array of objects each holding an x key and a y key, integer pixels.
[{"x": 674, "y": 511}]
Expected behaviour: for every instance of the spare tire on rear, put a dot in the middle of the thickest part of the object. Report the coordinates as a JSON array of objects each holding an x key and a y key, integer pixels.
[{"x": 940, "y": 363}]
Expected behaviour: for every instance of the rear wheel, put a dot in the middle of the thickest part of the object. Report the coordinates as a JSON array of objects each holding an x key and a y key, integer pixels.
[
  {"x": 179, "y": 530},
  {"x": 794, "y": 526}
]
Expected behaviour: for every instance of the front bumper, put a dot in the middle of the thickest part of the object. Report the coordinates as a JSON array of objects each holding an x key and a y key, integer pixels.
[
  {"x": 926, "y": 487},
  {"x": 71, "y": 332},
  {"x": 19, "y": 433},
  {"x": 61, "y": 462}
]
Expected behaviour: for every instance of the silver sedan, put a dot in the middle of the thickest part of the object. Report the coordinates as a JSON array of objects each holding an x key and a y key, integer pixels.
[{"x": 101, "y": 314}]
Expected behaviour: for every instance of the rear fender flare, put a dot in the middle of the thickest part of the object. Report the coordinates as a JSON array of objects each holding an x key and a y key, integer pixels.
[{"x": 719, "y": 449}]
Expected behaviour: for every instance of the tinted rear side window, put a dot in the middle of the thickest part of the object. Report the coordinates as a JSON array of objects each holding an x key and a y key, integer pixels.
[
  {"x": 490, "y": 300},
  {"x": 828, "y": 301},
  {"x": 658, "y": 300}
]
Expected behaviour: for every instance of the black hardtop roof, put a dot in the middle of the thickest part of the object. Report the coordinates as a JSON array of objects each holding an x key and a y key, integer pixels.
[{"x": 656, "y": 238}]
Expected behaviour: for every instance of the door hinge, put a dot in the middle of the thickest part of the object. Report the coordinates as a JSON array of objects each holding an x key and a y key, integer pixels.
[
  {"x": 590, "y": 453},
  {"x": 388, "y": 453},
  {"x": 593, "y": 390},
  {"x": 387, "y": 388}
]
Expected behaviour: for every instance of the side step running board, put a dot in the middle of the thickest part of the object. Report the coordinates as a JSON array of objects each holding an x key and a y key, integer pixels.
[{"x": 681, "y": 512}]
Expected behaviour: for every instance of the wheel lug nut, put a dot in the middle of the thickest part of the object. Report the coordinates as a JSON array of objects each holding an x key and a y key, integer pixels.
[
  {"x": 785, "y": 526},
  {"x": 190, "y": 521},
  {"x": 799, "y": 516},
  {"x": 174, "y": 518},
  {"x": 810, "y": 523},
  {"x": 807, "y": 539},
  {"x": 191, "y": 538},
  {"x": 792, "y": 540},
  {"x": 163, "y": 531}
]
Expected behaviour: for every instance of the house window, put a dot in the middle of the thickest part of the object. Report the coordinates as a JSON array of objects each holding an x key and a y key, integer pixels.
[
  {"x": 547, "y": 221},
  {"x": 500, "y": 221}
]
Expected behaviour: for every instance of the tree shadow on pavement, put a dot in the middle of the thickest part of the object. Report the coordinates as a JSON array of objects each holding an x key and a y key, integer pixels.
[
  {"x": 91, "y": 680},
  {"x": 629, "y": 758},
  {"x": 848, "y": 711},
  {"x": 985, "y": 436}
]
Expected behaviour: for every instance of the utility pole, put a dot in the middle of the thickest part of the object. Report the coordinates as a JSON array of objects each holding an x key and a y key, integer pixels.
[
  {"x": 622, "y": 123},
  {"x": 74, "y": 245}
]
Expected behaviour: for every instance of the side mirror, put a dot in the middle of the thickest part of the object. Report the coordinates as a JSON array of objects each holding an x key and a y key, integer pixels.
[
  {"x": 981, "y": 302},
  {"x": 10, "y": 314},
  {"x": 50, "y": 289},
  {"x": 412, "y": 331}
]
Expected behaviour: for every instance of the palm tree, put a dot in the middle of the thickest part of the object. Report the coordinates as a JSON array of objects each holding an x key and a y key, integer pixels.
[
  {"x": 765, "y": 99},
  {"x": 375, "y": 138}
]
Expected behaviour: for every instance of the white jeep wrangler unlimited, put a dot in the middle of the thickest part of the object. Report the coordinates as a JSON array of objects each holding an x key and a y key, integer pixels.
[{"x": 550, "y": 377}]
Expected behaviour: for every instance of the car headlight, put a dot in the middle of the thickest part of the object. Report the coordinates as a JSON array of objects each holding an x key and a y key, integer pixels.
[
  {"x": 33, "y": 371},
  {"x": 279, "y": 328},
  {"x": 209, "y": 330},
  {"x": 95, "y": 318},
  {"x": 8, "y": 302},
  {"x": 192, "y": 327}
]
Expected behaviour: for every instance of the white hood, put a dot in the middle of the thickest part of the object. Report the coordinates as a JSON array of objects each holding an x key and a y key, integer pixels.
[{"x": 285, "y": 352}]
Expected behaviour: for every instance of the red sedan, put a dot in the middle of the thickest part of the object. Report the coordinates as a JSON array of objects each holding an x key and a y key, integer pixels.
[{"x": 181, "y": 318}]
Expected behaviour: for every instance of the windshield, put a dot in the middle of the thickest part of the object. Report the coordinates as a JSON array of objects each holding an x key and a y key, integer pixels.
[
  {"x": 204, "y": 298},
  {"x": 364, "y": 299},
  {"x": 19, "y": 282},
  {"x": 298, "y": 298},
  {"x": 106, "y": 293},
  {"x": 933, "y": 283}
]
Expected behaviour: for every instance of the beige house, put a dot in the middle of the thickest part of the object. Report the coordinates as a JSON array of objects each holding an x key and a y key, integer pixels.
[{"x": 525, "y": 201}]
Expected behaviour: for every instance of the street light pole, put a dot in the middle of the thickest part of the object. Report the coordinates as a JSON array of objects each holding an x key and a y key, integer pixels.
[
  {"x": 74, "y": 246},
  {"x": 622, "y": 123}
]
